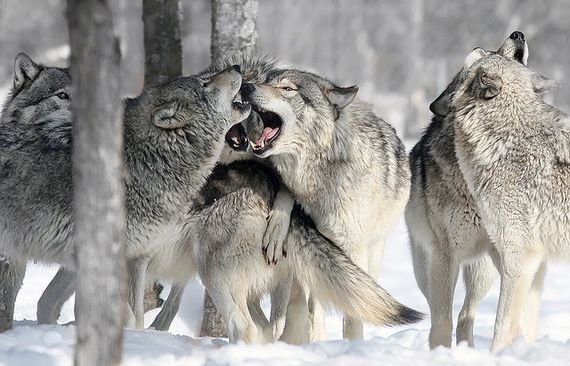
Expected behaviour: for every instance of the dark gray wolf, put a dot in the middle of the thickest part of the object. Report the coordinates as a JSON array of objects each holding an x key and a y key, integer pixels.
[{"x": 174, "y": 134}]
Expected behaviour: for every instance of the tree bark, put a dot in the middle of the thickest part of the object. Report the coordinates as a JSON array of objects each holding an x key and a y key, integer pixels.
[
  {"x": 99, "y": 192},
  {"x": 162, "y": 44},
  {"x": 12, "y": 275},
  {"x": 234, "y": 27},
  {"x": 234, "y": 32}
]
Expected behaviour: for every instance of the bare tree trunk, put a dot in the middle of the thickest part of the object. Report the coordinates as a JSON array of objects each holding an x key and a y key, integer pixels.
[
  {"x": 162, "y": 44},
  {"x": 99, "y": 192},
  {"x": 234, "y": 31},
  {"x": 12, "y": 275},
  {"x": 234, "y": 27}
]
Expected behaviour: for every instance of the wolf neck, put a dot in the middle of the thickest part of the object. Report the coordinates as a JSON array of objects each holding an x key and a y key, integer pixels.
[{"x": 166, "y": 170}]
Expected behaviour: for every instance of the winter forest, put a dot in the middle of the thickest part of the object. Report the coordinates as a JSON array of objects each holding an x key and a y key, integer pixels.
[{"x": 158, "y": 180}]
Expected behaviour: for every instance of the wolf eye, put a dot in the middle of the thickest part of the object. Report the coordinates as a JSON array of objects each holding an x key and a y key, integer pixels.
[
  {"x": 62, "y": 95},
  {"x": 288, "y": 88}
]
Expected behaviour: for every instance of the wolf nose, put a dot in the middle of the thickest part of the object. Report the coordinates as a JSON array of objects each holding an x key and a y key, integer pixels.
[
  {"x": 247, "y": 88},
  {"x": 237, "y": 68},
  {"x": 517, "y": 36}
]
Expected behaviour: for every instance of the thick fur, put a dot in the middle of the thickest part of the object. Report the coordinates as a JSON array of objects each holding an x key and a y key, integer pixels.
[
  {"x": 443, "y": 221},
  {"x": 228, "y": 228},
  {"x": 343, "y": 164},
  {"x": 174, "y": 134},
  {"x": 513, "y": 151}
]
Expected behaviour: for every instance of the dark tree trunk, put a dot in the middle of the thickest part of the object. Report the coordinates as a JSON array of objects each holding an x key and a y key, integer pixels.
[
  {"x": 98, "y": 179},
  {"x": 162, "y": 44},
  {"x": 234, "y": 27},
  {"x": 163, "y": 61},
  {"x": 234, "y": 32},
  {"x": 12, "y": 275}
]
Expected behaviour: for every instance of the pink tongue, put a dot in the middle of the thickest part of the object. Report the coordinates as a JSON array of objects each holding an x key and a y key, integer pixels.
[{"x": 267, "y": 134}]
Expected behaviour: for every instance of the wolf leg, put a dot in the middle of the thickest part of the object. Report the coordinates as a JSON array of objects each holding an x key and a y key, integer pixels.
[
  {"x": 279, "y": 300},
  {"x": 530, "y": 314},
  {"x": 59, "y": 290},
  {"x": 169, "y": 308},
  {"x": 264, "y": 329},
  {"x": 137, "y": 280},
  {"x": 296, "y": 329},
  {"x": 517, "y": 266},
  {"x": 478, "y": 278},
  {"x": 420, "y": 261},
  {"x": 11, "y": 277},
  {"x": 444, "y": 272},
  {"x": 278, "y": 227}
]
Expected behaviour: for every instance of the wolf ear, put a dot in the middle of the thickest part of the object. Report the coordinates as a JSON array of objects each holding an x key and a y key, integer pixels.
[
  {"x": 474, "y": 56},
  {"x": 488, "y": 86},
  {"x": 167, "y": 117},
  {"x": 440, "y": 106},
  {"x": 341, "y": 97},
  {"x": 24, "y": 68},
  {"x": 542, "y": 84}
]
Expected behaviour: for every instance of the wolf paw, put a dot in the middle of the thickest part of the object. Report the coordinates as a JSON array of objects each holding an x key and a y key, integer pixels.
[{"x": 274, "y": 238}]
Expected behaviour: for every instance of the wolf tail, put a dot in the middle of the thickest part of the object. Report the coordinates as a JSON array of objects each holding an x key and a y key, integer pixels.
[{"x": 335, "y": 280}]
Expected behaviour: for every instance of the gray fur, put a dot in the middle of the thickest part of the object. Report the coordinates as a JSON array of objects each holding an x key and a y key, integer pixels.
[
  {"x": 165, "y": 167},
  {"x": 443, "y": 220},
  {"x": 343, "y": 164},
  {"x": 512, "y": 149},
  {"x": 227, "y": 229}
]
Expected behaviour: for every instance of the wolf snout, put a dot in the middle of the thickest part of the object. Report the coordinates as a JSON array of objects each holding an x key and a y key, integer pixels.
[
  {"x": 517, "y": 36},
  {"x": 247, "y": 89}
]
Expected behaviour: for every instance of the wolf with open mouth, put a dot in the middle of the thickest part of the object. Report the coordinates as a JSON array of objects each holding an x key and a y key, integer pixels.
[{"x": 344, "y": 165}]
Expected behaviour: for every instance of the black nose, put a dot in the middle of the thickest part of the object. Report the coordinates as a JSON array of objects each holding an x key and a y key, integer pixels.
[
  {"x": 247, "y": 88},
  {"x": 237, "y": 68},
  {"x": 517, "y": 36}
]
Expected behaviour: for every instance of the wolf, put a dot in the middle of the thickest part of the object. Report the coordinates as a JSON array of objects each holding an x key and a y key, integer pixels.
[
  {"x": 343, "y": 164},
  {"x": 174, "y": 134},
  {"x": 513, "y": 150},
  {"x": 443, "y": 222}
]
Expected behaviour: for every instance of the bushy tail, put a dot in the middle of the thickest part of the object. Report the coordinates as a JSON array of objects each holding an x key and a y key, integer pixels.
[{"x": 335, "y": 280}]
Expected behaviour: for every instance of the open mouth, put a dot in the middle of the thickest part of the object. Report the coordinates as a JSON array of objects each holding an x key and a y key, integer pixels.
[
  {"x": 272, "y": 124},
  {"x": 236, "y": 138}
]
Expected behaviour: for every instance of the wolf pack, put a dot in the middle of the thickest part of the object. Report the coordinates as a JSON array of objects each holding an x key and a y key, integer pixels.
[{"x": 262, "y": 179}]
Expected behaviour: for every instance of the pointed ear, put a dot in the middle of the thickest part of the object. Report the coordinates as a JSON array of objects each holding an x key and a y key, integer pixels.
[
  {"x": 341, "y": 97},
  {"x": 167, "y": 117},
  {"x": 474, "y": 56},
  {"x": 489, "y": 86},
  {"x": 24, "y": 68},
  {"x": 542, "y": 84},
  {"x": 440, "y": 106}
]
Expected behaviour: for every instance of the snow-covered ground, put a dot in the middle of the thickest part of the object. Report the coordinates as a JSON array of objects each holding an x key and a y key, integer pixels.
[{"x": 29, "y": 344}]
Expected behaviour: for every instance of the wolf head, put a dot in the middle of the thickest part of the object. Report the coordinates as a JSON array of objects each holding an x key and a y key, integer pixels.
[
  {"x": 289, "y": 97},
  {"x": 255, "y": 68},
  {"x": 170, "y": 110},
  {"x": 499, "y": 84},
  {"x": 39, "y": 94},
  {"x": 515, "y": 47}
]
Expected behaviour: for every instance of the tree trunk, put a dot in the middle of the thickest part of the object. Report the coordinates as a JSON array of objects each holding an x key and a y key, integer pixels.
[
  {"x": 162, "y": 44},
  {"x": 234, "y": 27},
  {"x": 98, "y": 179},
  {"x": 12, "y": 275},
  {"x": 234, "y": 32}
]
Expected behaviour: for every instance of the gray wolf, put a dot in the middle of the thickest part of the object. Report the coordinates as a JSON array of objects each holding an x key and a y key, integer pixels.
[
  {"x": 513, "y": 150},
  {"x": 174, "y": 134},
  {"x": 443, "y": 222},
  {"x": 230, "y": 229},
  {"x": 343, "y": 164}
]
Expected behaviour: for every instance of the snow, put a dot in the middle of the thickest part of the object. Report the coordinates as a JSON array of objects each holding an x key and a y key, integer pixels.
[{"x": 29, "y": 344}]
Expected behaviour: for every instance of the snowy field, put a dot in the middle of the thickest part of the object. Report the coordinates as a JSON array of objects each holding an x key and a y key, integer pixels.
[{"x": 29, "y": 344}]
